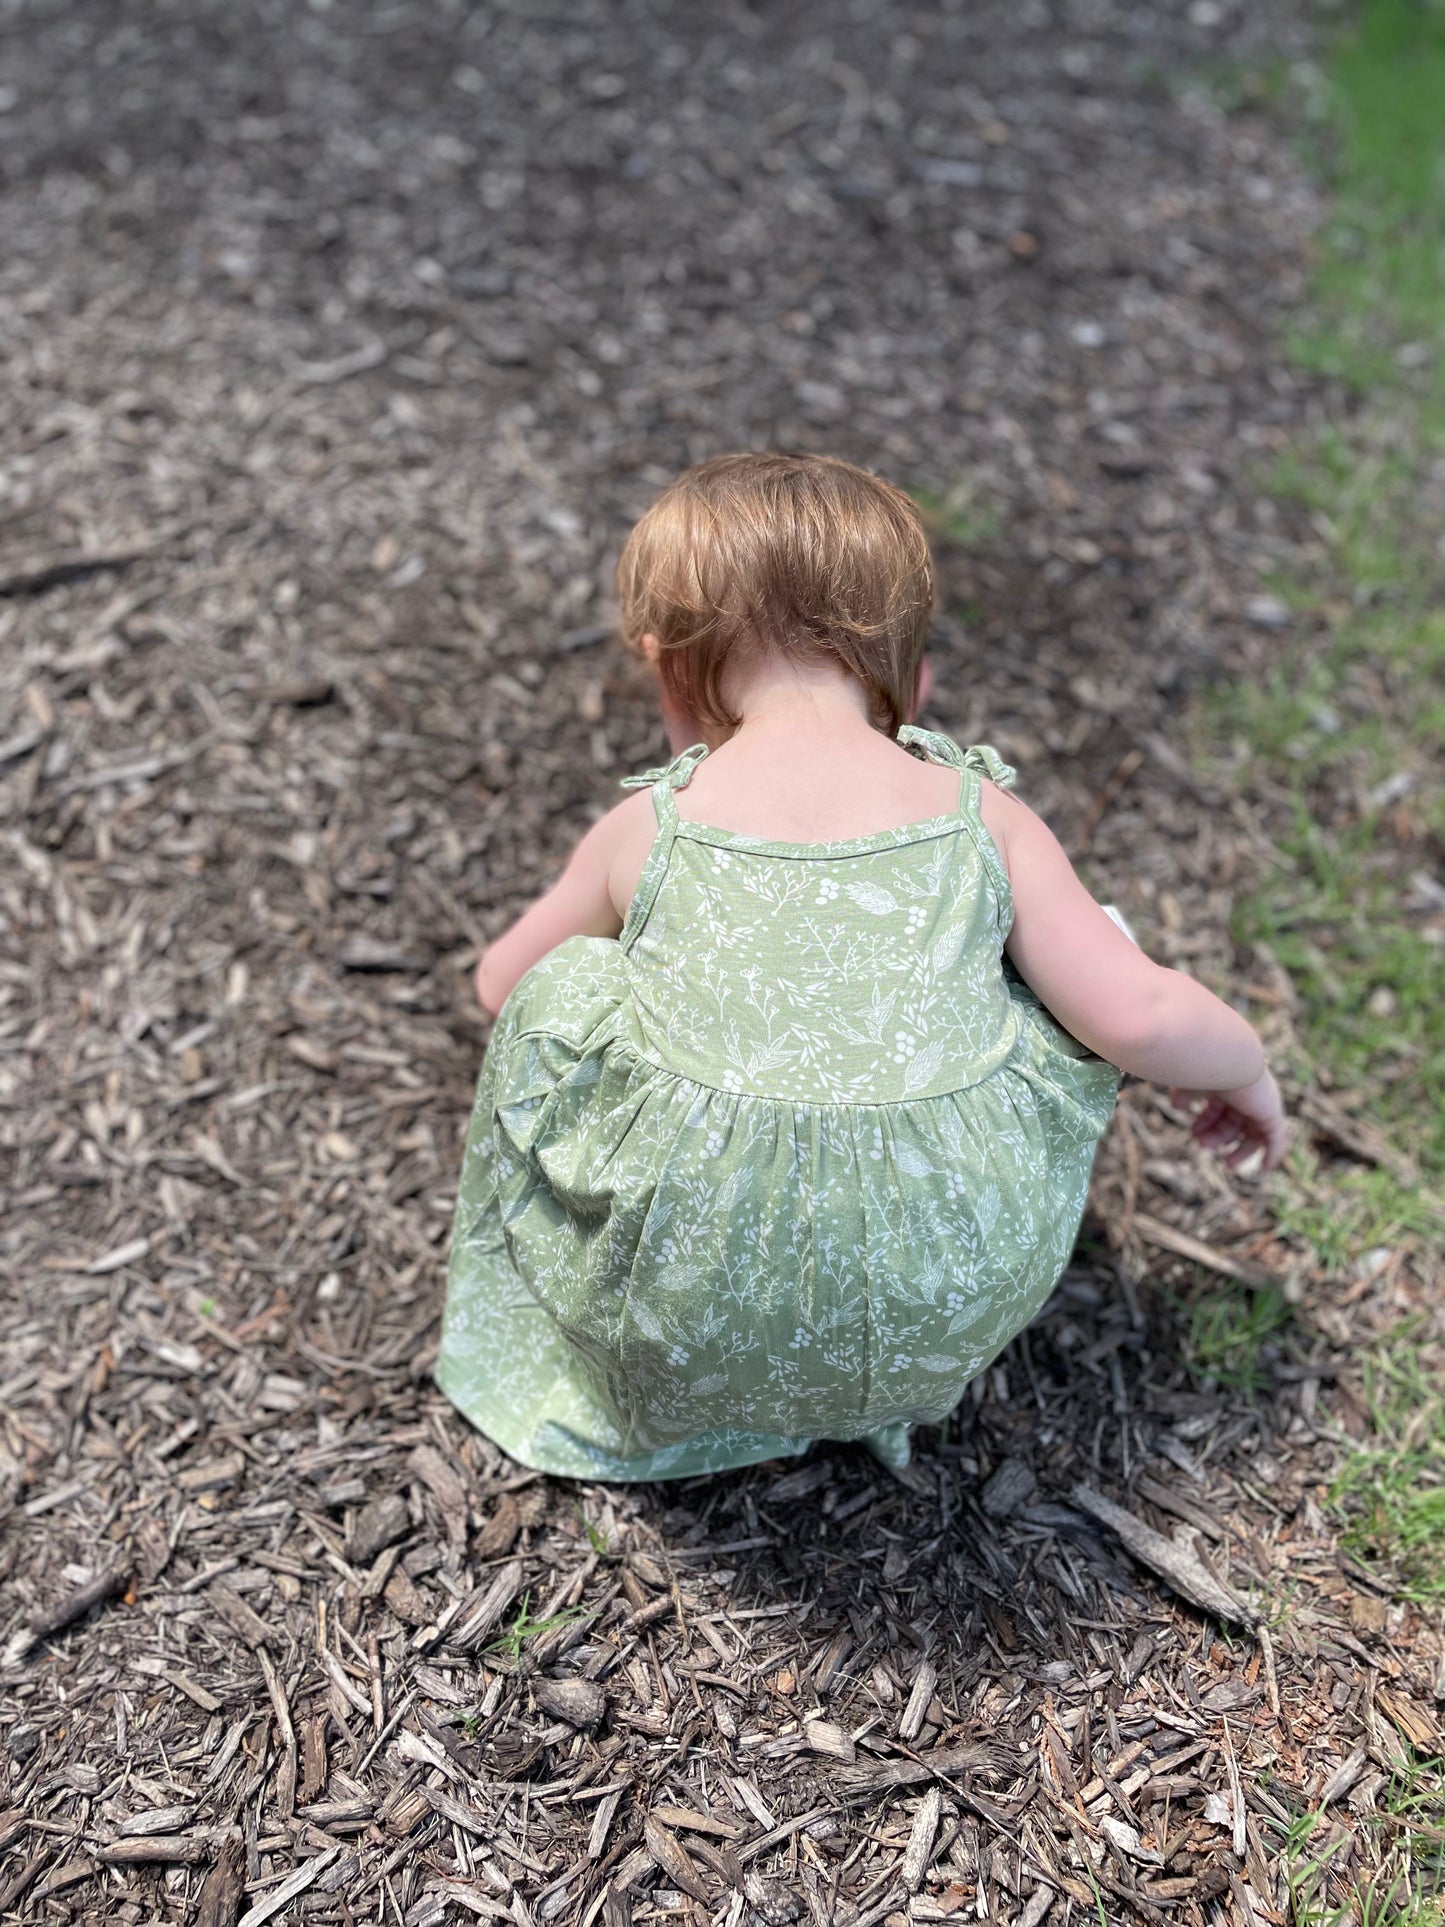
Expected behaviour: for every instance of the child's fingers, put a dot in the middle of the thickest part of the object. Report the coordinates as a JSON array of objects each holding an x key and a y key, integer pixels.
[
  {"x": 1216, "y": 1125},
  {"x": 1276, "y": 1143},
  {"x": 1235, "y": 1129},
  {"x": 1249, "y": 1143},
  {"x": 1234, "y": 1135}
]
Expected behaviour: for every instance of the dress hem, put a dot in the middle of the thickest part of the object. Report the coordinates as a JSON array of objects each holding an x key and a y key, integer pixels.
[{"x": 890, "y": 1445}]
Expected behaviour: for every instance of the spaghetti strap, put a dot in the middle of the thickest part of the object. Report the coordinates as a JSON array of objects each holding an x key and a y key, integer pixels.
[
  {"x": 675, "y": 775},
  {"x": 978, "y": 761},
  {"x": 982, "y": 758}
]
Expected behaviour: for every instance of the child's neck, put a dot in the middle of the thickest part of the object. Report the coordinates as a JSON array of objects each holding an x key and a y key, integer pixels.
[{"x": 811, "y": 699}]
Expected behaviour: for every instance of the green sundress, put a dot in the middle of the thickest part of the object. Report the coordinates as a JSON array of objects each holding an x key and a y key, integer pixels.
[{"x": 792, "y": 1158}]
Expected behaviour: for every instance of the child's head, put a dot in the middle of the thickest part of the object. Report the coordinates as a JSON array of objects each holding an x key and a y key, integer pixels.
[{"x": 798, "y": 558}]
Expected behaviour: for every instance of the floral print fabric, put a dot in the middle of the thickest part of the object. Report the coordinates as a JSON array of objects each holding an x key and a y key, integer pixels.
[{"x": 793, "y": 1158}]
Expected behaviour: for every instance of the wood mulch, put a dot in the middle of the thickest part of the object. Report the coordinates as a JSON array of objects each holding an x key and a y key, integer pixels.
[{"x": 341, "y": 346}]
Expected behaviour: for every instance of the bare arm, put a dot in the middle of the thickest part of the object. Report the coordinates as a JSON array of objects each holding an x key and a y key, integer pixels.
[
  {"x": 583, "y": 902},
  {"x": 1153, "y": 1022}
]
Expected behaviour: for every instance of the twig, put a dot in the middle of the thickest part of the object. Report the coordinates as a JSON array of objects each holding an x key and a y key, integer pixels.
[
  {"x": 1168, "y": 1237},
  {"x": 56, "y": 569},
  {"x": 73, "y": 1606},
  {"x": 1116, "y": 782}
]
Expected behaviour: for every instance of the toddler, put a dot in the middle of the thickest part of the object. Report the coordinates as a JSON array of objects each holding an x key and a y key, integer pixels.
[{"x": 786, "y": 1124}]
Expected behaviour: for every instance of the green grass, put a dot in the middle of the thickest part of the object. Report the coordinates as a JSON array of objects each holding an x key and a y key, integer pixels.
[
  {"x": 1402, "y": 1888},
  {"x": 1338, "y": 747},
  {"x": 1348, "y": 724},
  {"x": 596, "y": 1537},
  {"x": 1390, "y": 1491},
  {"x": 524, "y": 1627},
  {"x": 1228, "y": 1327},
  {"x": 1344, "y": 1214},
  {"x": 959, "y": 517},
  {"x": 1381, "y": 280},
  {"x": 1388, "y": 1900}
]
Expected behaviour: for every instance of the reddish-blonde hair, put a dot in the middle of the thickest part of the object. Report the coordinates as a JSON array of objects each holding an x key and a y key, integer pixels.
[{"x": 804, "y": 556}]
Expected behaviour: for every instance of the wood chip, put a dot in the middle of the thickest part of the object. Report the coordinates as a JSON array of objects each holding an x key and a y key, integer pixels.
[
  {"x": 499, "y": 1534},
  {"x": 925, "y": 1684},
  {"x": 246, "y": 1624},
  {"x": 1236, "y": 1794},
  {"x": 183, "y": 1683},
  {"x": 376, "y": 1526},
  {"x": 481, "y": 1614},
  {"x": 117, "y": 1260},
  {"x": 771, "y": 1902},
  {"x": 458, "y": 1813},
  {"x": 602, "y": 1822},
  {"x": 214, "y": 1476},
  {"x": 50, "y": 571},
  {"x": 647, "y": 1615},
  {"x": 445, "y": 1487},
  {"x": 801, "y": 1484},
  {"x": 302, "y": 694},
  {"x": 1169, "y": 1498},
  {"x": 285, "y": 1789},
  {"x": 374, "y": 954},
  {"x": 942, "y": 1763},
  {"x": 21, "y": 744},
  {"x": 685, "y": 1817},
  {"x": 157, "y": 1820},
  {"x": 1410, "y": 1718},
  {"x": 70, "y": 1874},
  {"x": 1126, "y": 1841},
  {"x": 161, "y": 1849},
  {"x": 1011, "y": 1485},
  {"x": 668, "y": 1853},
  {"x": 306, "y": 1875},
  {"x": 406, "y": 1600},
  {"x": 1036, "y": 1907},
  {"x": 224, "y": 1888},
  {"x": 826, "y": 1738},
  {"x": 1182, "y": 1568},
  {"x": 75, "y": 1605},
  {"x": 920, "y": 1840},
  {"x": 579, "y": 1702},
  {"x": 1344, "y": 1776},
  {"x": 753, "y": 1801}
]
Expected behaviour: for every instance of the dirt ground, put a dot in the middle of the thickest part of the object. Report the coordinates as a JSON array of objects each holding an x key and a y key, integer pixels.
[{"x": 341, "y": 346}]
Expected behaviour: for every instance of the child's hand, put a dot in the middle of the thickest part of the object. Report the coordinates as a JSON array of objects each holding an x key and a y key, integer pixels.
[{"x": 1248, "y": 1120}]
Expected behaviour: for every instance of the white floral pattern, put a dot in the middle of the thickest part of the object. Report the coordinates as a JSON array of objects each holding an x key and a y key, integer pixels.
[{"x": 793, "y": 1158}]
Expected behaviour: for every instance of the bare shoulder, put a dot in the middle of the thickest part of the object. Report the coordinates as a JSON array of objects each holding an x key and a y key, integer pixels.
[
  {"x": 624, "y": 837},
  {"x": 1006, "y": 818},
  {"x": 621, "y": 823}
]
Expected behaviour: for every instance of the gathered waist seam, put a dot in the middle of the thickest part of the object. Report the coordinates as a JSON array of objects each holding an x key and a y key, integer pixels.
[{"x": 800, "y": 1103}]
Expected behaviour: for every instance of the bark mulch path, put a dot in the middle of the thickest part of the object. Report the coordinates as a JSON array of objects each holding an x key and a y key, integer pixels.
[{"x": 341, "y": 346}]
